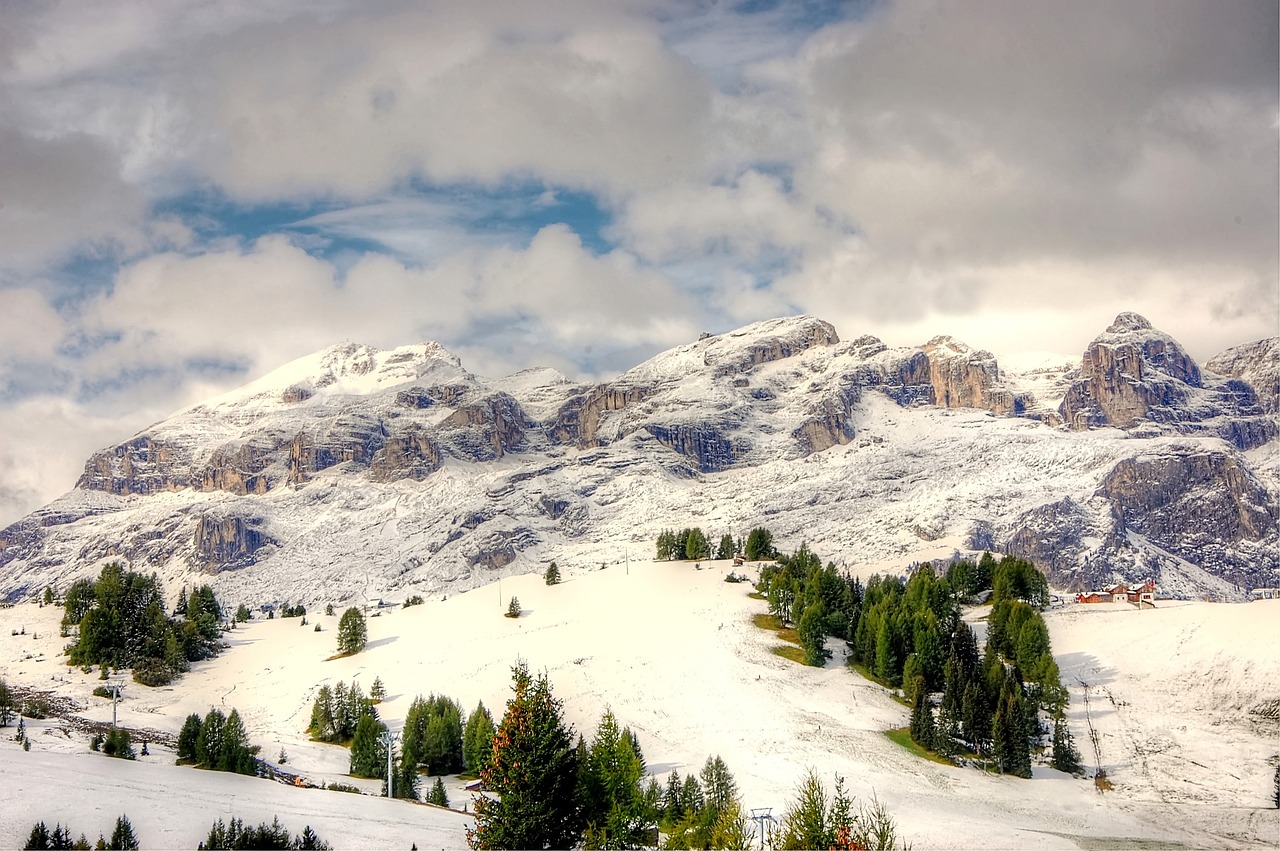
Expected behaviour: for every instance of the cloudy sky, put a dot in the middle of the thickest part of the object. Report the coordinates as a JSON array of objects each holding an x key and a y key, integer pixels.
[{"x": 193, "y": 192}]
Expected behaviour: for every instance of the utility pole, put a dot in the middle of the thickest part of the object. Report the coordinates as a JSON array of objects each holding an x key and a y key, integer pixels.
[
  {"x": 115, "y": 699},
  {"x": 389, "y": 739},
  {"x": 760, "y": 815}
]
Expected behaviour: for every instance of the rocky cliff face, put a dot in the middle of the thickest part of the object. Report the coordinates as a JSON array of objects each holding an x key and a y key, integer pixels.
[
  {"x": 404, "y": 464},
  {"x": 1136, "y": 377},
  {"x": 1258, "y": 364}
]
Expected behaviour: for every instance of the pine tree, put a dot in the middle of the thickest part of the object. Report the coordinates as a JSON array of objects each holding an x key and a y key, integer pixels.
[
  {"x": 513, "y": 608},
  {"x": 368, "y": 753},
  {"x": 552, "y": 576},
  {"x": 352, "y": 633},
  {"x": 209, "y": 742},
  {"x": 1065, "y": 755},
  {"x": 123, "y": 838},
  {"x": 804, "y": 823},
  {"x": 759, "y": 544},
  {"x": 438, "y": 796},
  {"x": 377, "y": 691},
  {"x": 477, "y": 742},
  {"x": 38, "y": 839},
  {"x": 725, "y": 550},
  {"x": 534, "y": 772},
  {"x": 813, "y": 635}
]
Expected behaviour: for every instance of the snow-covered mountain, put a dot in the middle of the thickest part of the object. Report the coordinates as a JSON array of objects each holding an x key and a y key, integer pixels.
[{"x": 356, "y": 471}]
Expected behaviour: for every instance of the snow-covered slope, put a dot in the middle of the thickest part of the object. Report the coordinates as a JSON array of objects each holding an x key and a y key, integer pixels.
[
  {"x": 357, "y": 472},
  {"x": 1178, "y": 695}
]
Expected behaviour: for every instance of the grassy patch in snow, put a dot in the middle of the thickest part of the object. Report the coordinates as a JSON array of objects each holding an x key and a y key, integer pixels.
[
  {"x": 902, "y": 736},
  {"x": 756, "y": 595},
  {"x": 774, "y": 624},
  {"x": 787, "y": 651}
]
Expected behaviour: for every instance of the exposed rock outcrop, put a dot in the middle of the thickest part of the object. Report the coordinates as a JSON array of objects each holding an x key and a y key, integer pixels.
[
  {"x": 702, "y": 443},
  {"x": 1134, "y": 376},
  {"x": 488, "y": 429},
  {"x": 142, "y": 465},
  {"x": 227, "y": 542},
  {"x": 1257, "y": 363}
]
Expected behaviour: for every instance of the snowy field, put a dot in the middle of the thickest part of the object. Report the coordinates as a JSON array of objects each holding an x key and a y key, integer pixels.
[{"x": 1184, "y": 700}]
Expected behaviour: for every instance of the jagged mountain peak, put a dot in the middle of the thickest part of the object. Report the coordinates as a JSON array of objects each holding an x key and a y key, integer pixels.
[
  {"x": 737, "y": 350},
  {"x": 345, "y": 368},
  {"x": 1127, "y": 322}
]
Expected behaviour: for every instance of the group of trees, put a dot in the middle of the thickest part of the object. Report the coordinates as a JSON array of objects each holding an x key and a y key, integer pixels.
[
  {"x": 692, "y": 543},
  {"x": 7, "y": 703},
  {"x": 217, "y": 742},
  {"x": 815, "y": 820},
  {"x": 819, "y": 600},
  {"x": 122, "y": 623},
  {"x": 41, "y": 837},
  {"x": 908, "y": 634},
  {"x": 433, "y": 737},
  {"x": 336, "y": 711},
  {"x": 236, "y": 836},
  {"x": 553, "y": 793}
]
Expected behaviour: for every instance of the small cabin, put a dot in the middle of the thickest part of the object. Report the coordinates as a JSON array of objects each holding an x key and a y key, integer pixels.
[{"x": 1265, "y": 594}]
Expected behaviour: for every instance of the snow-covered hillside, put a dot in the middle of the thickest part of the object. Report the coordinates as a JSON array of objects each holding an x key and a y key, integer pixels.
[
  {"x": 1179, "y": 697},
  {"x": 356, "y": 473}
]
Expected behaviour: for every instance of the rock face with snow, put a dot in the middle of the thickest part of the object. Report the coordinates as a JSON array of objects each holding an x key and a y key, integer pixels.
[
  {"x": 359, "y": 471},
  {"x": 1134, "y": 376},
  {"x": 1258, "y": 364}
]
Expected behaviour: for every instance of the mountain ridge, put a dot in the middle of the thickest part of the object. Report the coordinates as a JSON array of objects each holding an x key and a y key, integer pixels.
[{"x": 356, "y": 469}]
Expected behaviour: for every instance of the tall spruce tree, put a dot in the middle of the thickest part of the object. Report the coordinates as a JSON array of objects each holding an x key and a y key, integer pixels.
[
  {"x": 477, "y": 740},
  {"x": 534, "y": 772},
  {"x": 368, "y": 753},
  {"x": 122, "y": 837},
  {"x": 352, "y": 632}
]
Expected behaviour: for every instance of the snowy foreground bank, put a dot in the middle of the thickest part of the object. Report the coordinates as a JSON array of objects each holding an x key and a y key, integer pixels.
[{"x": 1179, "y": 699}]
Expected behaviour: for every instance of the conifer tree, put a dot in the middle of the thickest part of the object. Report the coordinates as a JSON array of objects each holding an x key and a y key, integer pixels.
[
  {"x": 725, "y": 550},
  {"x": 1065, "y": 755},
  {"x": 552, "y": 576},
  {"x": 352, "y": 632},
  {"x": 670, "y": 806},
  {"x": 813, "y": 635},
  {"x": 123, "y": 837},
  {"x": 534, "y": 772},
  {"x": 477, "y": 741},
  {"x": 438, "y": 795},
  {"x": 377, "y": 691},
  {"x": 513, "y": 608},
  {"x": 368, "y": 753},
  {"x": 38, "y": 839},
  {"x": 1275, "y": 792}
]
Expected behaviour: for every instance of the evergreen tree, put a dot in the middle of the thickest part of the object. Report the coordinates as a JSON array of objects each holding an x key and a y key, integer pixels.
[
  {"x": 696, "y": 545},
  {"x": 1275, "y": 792},
  {"x": 38, "y": 839},
  {"x": 236, "y": 754},
  {"x": 813, "y": 635},
  {"x": 804, "y": 824},
  {"x": 669, "y": 807},
  {"x": 1065, "y": 755},
  {"x": 209, "y": 743},
  {"x": 759, "y": 544},
  {"x": 377, "y": 691},
  {"x": 438, "y": 795},
  {"x": 308, "y": 841},
  {"x": 725, "y": 550},
  {"x": 534, "y": 772},
  {"x": 513, "y": 608},
  {"x": 322, "y": 724},
  {"x": 609, "y": 785},
  {"x": 6, "y": 704},
  {"x": 368, "y": 753},
  {"x": 922, "y": 727},
  {"x": 123, "y": 837},
  {"x": 552, "y": 576},
  {"x": 352, "y": 633},
  {"x": 477, "y": 741}
]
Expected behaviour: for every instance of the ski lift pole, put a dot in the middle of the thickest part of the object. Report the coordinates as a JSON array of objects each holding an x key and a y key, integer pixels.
[{"x": 389, "y": 739}]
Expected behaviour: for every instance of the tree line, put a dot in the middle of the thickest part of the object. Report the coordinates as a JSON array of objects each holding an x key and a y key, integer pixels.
[
  {"x": 122, "y": 623},
  {"x": 553, "y": 792},
  {"x": 908, "y": 633},
  {"x": 692, "y": 544}
]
